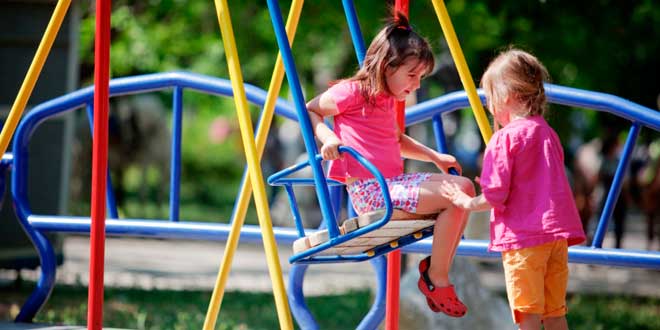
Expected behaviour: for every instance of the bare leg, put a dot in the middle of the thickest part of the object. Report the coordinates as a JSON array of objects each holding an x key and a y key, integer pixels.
[
  {"x": 555, "y": 323},
  {"x": 460, "y": 235},
  {"x": 530, "y": 321},
  {"x": 449, "y": 224}
]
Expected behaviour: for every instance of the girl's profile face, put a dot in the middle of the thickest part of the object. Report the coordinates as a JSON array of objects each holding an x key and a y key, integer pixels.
[{"x": 405, "y": 79}]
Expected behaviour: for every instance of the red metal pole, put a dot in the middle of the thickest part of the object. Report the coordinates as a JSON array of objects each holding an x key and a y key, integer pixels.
[
  {"x": 99, "y": 164},
  {"x": 401, "y": 6},
  {"x": 392, "y": 294},
  {"x": 394, "y": 257}
]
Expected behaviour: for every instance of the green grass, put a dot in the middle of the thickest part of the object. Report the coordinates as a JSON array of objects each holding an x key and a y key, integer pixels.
[
  {"x": 606, "y": 312},
  {"x": 185, "y": 310}
]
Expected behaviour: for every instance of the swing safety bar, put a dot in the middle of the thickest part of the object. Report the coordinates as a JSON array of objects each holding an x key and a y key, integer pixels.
[{"x": 277, "y": 179}]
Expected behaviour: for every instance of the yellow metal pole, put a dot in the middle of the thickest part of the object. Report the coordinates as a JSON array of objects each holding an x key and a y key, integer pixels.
[
  {"x": 33, "y": 73},
  {"x": 463, "y": 70},
  {"x": 246, "y": 189},
  {"x": 254, "y": 168}
]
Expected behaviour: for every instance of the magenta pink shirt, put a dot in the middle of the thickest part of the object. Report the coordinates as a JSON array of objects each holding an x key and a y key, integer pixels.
[
  {"x": 368, "y": 128},
  {"x": 523, "y": 179}
]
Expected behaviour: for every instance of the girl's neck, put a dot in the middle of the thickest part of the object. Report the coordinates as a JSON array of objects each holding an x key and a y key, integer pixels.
[
  {"x": 517, "y": 111},
  {"x": 514, "y": 116}
]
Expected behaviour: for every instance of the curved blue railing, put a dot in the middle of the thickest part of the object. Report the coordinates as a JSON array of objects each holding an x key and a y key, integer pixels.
[
  {"x": 640, "y": 116},
  {"x": 36, "y": 225}
]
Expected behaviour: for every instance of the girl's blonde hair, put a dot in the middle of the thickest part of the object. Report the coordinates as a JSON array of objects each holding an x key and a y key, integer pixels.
[
  {"x": 391, "y": 47},
  {"x": 518, "y": 74}
]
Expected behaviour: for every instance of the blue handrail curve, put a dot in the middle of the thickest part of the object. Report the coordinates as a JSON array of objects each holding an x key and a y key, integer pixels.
[{"x": 34, "y": 225}]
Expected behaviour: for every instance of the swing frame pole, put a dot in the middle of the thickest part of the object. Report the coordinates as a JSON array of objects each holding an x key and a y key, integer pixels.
[
  {"x": 99, "y": 164},
  {"x": 394, "y": 257}
]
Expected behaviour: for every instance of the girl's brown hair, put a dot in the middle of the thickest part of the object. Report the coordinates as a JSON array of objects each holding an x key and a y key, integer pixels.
[
  {"x": 518, "y": 74},
  {"x": 391, "y": 47}
]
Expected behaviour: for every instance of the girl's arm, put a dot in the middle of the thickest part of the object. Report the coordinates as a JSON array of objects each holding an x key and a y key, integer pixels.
[
  {"x": 478, "y": 203},
  {"x": 413, "y": 149},
  {"x": 458, "y": 197},
  {"x": 318, "y": 108}
]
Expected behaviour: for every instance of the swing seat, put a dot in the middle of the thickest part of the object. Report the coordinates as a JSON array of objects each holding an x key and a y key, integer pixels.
[
  {"x": 400, "y": 225},
  {"x": 357, "y": 239}
]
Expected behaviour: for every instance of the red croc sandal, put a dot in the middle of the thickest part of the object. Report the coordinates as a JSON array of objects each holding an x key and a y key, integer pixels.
[
  {"x": 423, "y": 266},
  {"x": 439, "y": 299},
  {"x": 432, "y": 306}
]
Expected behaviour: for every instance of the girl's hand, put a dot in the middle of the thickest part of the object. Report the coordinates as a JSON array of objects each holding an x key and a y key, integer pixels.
[
  {"x": 444, "y": 162},
  {"x": 452, "y": 192},
  {"x": 330, "y": 149}
]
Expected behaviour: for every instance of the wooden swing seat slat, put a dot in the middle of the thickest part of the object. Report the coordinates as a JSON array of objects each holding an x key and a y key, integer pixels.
[{"x": 401, "y": 224}]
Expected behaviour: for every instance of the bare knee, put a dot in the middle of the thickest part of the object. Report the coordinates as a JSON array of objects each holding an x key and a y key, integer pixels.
[
  {"x": 466, "y": 185},
  {"x": 529, "y": 321},
  {"x": 555, "y": 323}
]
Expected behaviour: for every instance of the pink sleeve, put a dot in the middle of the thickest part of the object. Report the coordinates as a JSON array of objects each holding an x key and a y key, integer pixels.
[
  {"x": 344, "y": 94},
  {"x": 558, "y": 142},
  {"x": 496, "y": 171}
]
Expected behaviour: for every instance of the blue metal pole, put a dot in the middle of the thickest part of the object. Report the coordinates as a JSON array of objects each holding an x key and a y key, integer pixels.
[
  {"x": 46, "y": 281},
  {"x": 376, "y": 313},
  {"x": 297, "y": 219},
  {"x": 299, "y": 308},
  {"x": 438, "y": 130},
  {"x": 110, "y": 196},
  {"x": 175, "y": 165},
  {"x": 354, "y": 28},
  {"x": 615, "y": 189},
  {"x": 303, "y": 116}
]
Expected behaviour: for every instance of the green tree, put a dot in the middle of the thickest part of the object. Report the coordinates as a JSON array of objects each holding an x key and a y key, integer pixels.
[{"x": 612, "y": 50}]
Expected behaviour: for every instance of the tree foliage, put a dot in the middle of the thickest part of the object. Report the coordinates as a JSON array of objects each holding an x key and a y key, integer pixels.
[
  {"x": 601, "y": 45},
  {"x": 611, "y": 50}
]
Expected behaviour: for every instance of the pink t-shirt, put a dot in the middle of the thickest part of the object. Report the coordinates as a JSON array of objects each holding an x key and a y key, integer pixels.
[
  {"x": 368, "y": 128},
  {"x": 523, "y": 179}
]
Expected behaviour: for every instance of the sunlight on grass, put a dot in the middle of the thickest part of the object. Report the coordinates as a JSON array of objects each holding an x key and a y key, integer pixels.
[{"x": 185, "y": 310}]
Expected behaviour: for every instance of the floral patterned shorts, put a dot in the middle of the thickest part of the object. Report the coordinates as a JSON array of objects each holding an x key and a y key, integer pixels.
[{"x": 367, "y": 196}]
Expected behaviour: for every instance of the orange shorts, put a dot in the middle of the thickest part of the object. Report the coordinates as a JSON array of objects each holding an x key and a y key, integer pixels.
[{"x": 536, "y": 279}]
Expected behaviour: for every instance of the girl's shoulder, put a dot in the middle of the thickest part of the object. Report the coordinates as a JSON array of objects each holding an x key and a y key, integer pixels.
[
  {"x": 538, "y": 127},
  {"x": 345, "y": 93},
  {"x": 525, "y": 126},
  {"x": 516, "y": 134},
  {"x": 345, "y": 87},
  {"x": 526, "y": 131}
]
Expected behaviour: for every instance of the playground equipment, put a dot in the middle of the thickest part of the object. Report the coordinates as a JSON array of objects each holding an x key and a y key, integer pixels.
[
  {"x": 173, "y": 228},
  {"x": 99, "y": 161},
  {"x": 363, "y": 238},
  {"x": 38, "y": 224},
  {"x": 371, "y": 235}
]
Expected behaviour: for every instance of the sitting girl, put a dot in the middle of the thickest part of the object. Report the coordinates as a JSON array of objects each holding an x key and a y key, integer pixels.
[{"x": 363, "y": 107}]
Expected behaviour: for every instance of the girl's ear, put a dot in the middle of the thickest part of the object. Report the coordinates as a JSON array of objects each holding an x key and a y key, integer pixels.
[{"x": 386, "y": 69}]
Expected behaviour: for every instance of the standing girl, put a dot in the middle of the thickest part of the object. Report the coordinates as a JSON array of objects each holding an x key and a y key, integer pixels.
[
  {"x": 365, "y": 119},
  {"x": 533, "y": 218}
]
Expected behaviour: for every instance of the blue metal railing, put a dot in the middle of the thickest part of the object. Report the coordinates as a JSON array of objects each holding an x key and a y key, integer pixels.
[
  {"x": 280, "y": 179},
  {"x": 36, "y": 225}
]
